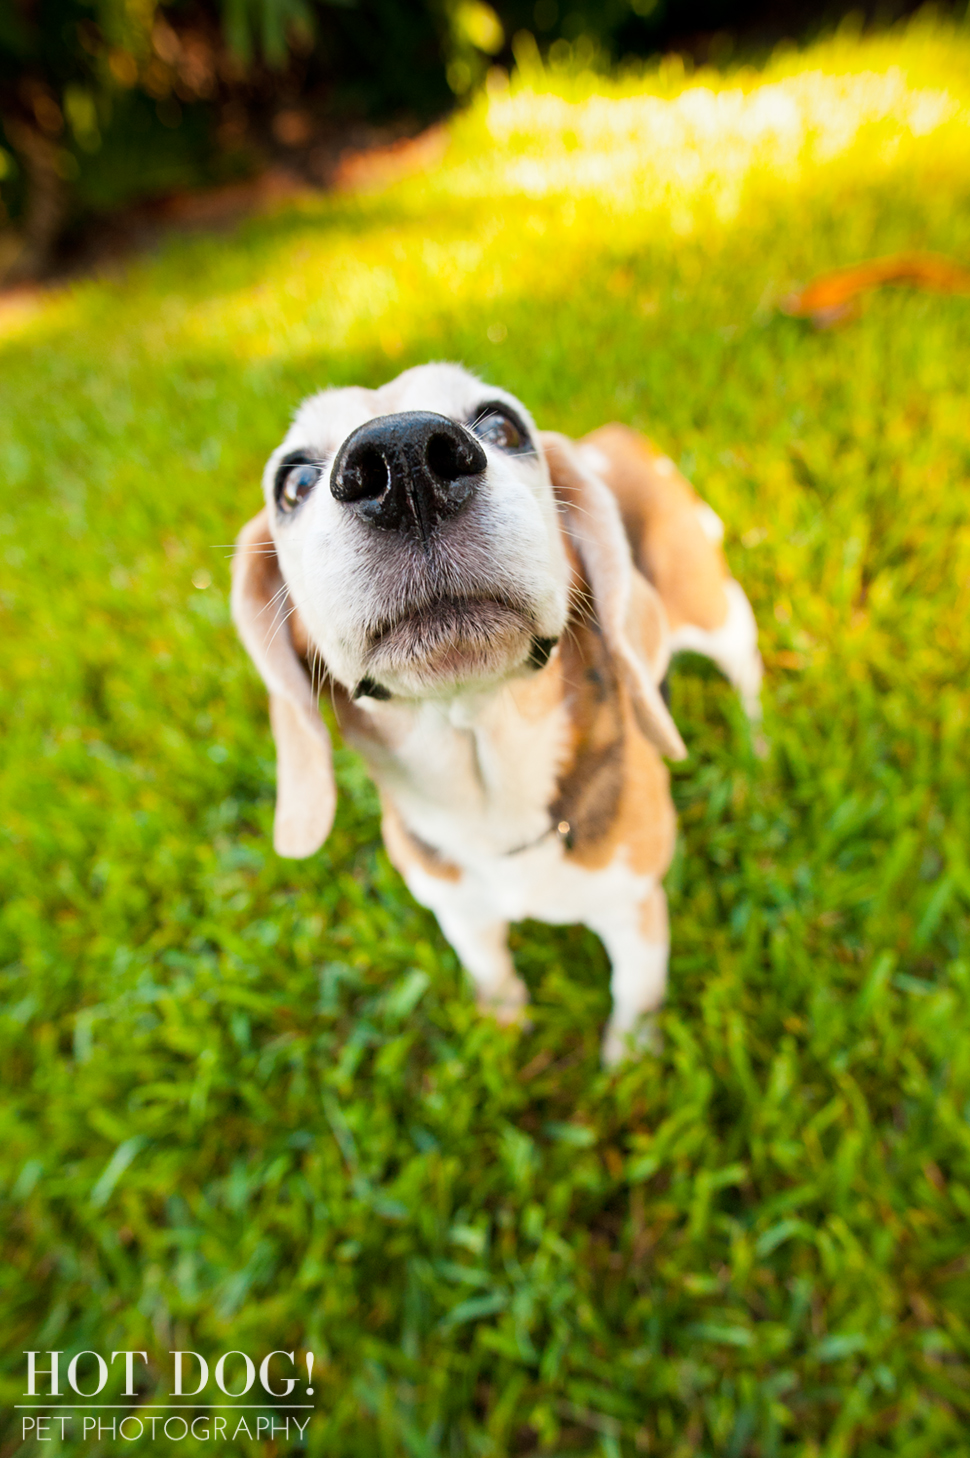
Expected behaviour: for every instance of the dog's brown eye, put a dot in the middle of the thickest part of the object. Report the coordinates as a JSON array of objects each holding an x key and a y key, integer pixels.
[
  {"x": 498, "y": 431},
  {"x": 295, "y": 479},
  {"x": 496, "y": 427}
]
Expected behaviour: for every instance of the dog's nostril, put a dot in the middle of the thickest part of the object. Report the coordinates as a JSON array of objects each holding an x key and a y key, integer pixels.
[
  {"x": 451, "y": 456},
  {"x": 365, "y": 477},
  {"x": 372, "y": 473}
]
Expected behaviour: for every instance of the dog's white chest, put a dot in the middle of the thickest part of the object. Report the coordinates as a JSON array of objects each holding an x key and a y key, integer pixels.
[
  {"x": 475, "y": 778},
  {"x": 476, "y": 783}
]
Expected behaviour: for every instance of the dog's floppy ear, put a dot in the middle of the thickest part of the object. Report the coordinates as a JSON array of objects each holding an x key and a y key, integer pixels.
[
  {"x": 306, "y": 794},
  {"x": 629, "y": 612}
]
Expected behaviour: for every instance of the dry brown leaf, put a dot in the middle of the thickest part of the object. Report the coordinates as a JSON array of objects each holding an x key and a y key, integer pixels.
[{"x": 832, "y": 298}]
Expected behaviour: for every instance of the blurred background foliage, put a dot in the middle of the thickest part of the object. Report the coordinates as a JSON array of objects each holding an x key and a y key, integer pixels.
[{"x": 104, "y": 103}]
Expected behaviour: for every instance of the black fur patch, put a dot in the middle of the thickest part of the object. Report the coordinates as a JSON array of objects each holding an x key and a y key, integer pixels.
[
  {"x": 367, "y": 688},
  {"x": 541, "y": 651}
]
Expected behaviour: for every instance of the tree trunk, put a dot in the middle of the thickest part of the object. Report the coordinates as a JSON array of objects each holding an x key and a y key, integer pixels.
[{"x": 46, "y": 200}]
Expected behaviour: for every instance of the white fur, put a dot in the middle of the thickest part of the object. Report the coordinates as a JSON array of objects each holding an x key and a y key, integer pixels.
[
  {"x": 596, "y": 459},
  {"x": 711, "y": 524},
  {"x": 733, "y": 647},
  {"x": 472, "y": 776},
  {"x": 541, "y": 882},
  {"x": 638, "y": 982}
]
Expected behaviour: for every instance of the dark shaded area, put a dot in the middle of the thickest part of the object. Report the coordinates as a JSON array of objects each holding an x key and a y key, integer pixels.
[
  {"x": 706, "y": 29},
  {"x": 102, "y": 106}
]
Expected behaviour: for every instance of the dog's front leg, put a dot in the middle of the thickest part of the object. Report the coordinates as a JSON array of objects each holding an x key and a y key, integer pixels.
[
  {"x": 638, "y": 945},
  {"x": 482, "y": 946}
]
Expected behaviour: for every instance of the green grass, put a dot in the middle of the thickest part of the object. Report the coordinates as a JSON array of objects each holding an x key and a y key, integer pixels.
[{"x": 248, "y": 1103}]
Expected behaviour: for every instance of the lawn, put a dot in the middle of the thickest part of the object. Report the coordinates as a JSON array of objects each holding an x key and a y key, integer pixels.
[{"x": 247, "y": 1102}]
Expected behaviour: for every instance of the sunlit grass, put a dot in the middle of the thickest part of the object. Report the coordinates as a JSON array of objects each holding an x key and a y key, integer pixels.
[{"x": 248, "y": 1103}]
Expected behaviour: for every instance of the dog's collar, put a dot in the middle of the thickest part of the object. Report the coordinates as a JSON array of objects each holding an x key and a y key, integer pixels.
[{"x": 562, "y": 829}]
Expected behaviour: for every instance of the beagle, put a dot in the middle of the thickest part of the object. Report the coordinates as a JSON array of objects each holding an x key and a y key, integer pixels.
[{"x": 492, "y": 610}]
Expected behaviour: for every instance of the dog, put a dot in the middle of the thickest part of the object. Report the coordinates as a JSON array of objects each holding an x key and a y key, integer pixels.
[{"x": 492, "y": 610}]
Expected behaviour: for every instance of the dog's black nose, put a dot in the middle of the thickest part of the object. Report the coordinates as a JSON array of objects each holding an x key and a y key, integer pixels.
[{"x": 408, "y": 472}]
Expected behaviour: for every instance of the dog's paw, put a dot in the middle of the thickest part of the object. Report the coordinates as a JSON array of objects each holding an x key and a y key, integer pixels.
[
  {"x": 507, "y": 1004},
  {"x": 619, "y": 1044}
]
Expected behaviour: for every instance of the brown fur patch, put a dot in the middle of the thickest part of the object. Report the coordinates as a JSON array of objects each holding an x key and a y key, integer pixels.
[
  {"x": 646, "y": 625},
  {"x": 614, "y": 790},
  {"x": 299, "y": 636},
  {"x": 643, "y": 822},
  {"x": 659, "y": 510},
  {"x": 591, "y": 517},
  {"x": 591, "y": 783}
]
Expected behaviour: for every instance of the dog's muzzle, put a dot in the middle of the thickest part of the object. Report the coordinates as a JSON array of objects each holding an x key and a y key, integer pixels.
[{"x": 408, "y": 472}]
